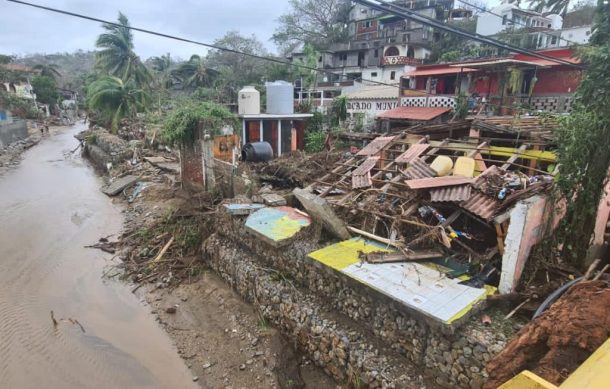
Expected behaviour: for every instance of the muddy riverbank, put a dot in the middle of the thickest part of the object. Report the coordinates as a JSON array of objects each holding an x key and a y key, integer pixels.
[{"x": 50, "y": 208}]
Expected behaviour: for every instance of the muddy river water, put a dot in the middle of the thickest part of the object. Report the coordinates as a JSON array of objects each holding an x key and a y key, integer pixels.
[{"x": 50, "y": 207}]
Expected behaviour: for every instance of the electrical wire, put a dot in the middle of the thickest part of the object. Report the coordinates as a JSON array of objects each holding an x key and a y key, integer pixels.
[
  {"x": 427, "y": 21},
  {"x": 208, "y": 45},
  {"x": 513, "y": 22},
  {"x": 260, "y": 57}
]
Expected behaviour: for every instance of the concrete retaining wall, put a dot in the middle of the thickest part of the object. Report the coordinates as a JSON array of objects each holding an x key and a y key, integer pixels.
[
  {"x": 12, "y": 132},
  {"x": 455, "y": 357}
]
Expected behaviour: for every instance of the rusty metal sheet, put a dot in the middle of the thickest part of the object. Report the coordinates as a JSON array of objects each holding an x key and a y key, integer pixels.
[
  {"x": 376, "y": 145},
  {"x": 437, "y": 182},
  {"x": 419, "y": 169},
  {"x": 452, "y": 193},
  {"x": 365, "y": 166},
  {"x": 481, "y": 205},
  {"x": 413, "y": 152}
]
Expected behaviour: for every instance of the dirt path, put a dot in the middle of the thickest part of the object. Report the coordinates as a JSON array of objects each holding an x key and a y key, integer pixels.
[
  {"x": 225, "y": 343},
  {"x": 50, "y": 207}
]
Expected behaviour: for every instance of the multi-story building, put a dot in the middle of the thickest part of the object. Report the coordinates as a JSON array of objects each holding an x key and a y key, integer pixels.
[
  {"x": 380, "y": 48},
  {"x": 533, "y": 30}
]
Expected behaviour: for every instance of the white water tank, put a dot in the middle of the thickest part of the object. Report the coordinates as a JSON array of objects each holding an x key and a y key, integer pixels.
[
  {"x": 280, "y": 98},
  {"x": 249, "y": 101}
]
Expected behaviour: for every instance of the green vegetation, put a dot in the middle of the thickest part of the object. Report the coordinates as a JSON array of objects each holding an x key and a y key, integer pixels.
[
  {"x": 195, "y": 73},
  {"x": 584, "y": 140},
  {"x": 115, "y": 99},
  {"x": 318, "y": 22},
  {"x": 184, "y": 122},
  {"x": 45, "y": 89},
  {"x": 117, "y": 57},
  {"x": 314, "y": 141}
]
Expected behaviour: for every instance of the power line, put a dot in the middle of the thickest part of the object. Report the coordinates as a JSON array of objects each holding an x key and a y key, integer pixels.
[
  {"x": 427, "y": 21},
  {"x": 513, "y": 22},
  {"x": 186, "y": 40}
]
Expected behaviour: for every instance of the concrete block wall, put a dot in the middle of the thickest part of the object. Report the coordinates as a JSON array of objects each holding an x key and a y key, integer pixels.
[{"x": 12, "y": 132}]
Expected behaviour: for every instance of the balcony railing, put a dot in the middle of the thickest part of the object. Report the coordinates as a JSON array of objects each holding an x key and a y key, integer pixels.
[{"x": 400, "y": 60}]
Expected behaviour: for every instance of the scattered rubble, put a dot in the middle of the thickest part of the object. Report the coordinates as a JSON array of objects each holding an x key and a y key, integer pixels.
[
  {"x": 557, "y": 342},
  {"x": 10, "y": 155}
]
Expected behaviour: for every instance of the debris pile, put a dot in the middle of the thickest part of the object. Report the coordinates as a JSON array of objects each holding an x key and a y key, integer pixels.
[
  {"x": 295, "y": 170},
  {"x": 558, "y": 341}
]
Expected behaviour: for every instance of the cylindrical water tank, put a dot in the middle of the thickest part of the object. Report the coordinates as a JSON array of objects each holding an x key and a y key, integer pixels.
[
  {"x": 249, "y": 101},
  {"x": 257, "y": 152},
  {"x": 280, "y": 98}
]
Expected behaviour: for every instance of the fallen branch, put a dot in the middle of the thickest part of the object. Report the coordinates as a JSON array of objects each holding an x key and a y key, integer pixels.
[
  {"x": 511, "y": 313},
  {"x": 601, "y": 272},
  {"x": 590, "y": 270},
  {"x": 162, "y": 252}
]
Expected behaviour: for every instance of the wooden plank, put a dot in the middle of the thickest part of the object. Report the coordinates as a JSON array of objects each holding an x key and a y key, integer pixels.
[
  {"x": 404, "y": 256},
  {"x": 514, "y": 157}
]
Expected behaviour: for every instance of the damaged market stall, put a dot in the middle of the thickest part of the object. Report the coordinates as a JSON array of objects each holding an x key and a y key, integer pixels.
[{"x": 477, "y": 201}]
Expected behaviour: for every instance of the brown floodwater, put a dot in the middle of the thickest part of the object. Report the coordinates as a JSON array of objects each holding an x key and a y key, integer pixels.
[{"x": 50, "y": 207}]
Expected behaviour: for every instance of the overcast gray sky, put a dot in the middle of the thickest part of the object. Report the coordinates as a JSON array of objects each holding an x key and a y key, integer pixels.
[
  {"x": 29, "y": 30},
  {"x": 25, "y": 30}
]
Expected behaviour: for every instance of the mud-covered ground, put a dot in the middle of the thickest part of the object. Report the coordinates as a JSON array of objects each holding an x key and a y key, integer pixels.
[
  {"x": 220, "y": 337},
  {"x": 224, "y": 342},
  {"x": 10, "y": 155},
  {"x": 558, "y": 341}
]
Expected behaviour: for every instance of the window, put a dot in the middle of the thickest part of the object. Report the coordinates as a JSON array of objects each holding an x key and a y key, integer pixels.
[
  {"x": 367, "y": 24},
  {"x": 374, "y": 74},
  {"x": 554, "y": 40},
  {"x": 376, "y": 53},
  {"x": 392, "y": 75},
  {"x": 320, "y": 59},
  {"x": 343, "y": 57},
  {"x": 504, "y": 19}
]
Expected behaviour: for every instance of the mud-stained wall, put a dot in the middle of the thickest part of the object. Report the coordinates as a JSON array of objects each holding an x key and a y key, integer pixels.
[
  {"x": 12, "y": 132},
  {"x": 455, "y": 357}
]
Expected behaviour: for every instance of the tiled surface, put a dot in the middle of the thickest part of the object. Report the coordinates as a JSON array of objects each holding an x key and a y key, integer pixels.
[
  {"x": 277, "y": 224},
  {"x": 421, "y": 287}
]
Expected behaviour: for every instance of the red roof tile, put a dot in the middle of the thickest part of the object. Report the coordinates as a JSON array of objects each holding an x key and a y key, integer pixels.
[
  {"x": 433, "y": 72},
  {"x": 413, "y": 152},
  {"x": 376, "y": 145},
  {"x": 481, "y": 205},
  {"x": 453, "y": 193},
  {"x": 438, "y": 182},
  {"x": 419, "y": 169},
  {"x": 361, "y": 176},
  {"x": 413, "y": 113}
]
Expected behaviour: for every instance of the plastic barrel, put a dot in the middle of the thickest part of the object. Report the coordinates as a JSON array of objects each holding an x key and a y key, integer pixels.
[{"x": 257, "y": 152}]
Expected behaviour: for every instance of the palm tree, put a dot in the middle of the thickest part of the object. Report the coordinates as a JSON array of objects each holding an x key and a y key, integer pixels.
[
  {"x": 162, "y": 67},
  {"x": 117, "y": 57},
  {"x": 115, "y": 99},
  {"x": 194, "y": 73},
  {"x": 49, "y": 70}
]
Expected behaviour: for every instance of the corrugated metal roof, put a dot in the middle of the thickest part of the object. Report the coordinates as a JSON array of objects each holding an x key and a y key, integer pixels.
[
  {"x": 361, "y": 176},
  {"x": 454, "y": 193},
  {"x": 413, "y": 152},
  {"x": 414, "y": 113},
  {"x": 503, "y": 61},
  {"x": 376, "y": 145},
  {"x": 481, "y": 205},
  {"x": 419, "y": 169},
  {"x": 437, "y": 182},
  {"x": 433, "y": 72}
]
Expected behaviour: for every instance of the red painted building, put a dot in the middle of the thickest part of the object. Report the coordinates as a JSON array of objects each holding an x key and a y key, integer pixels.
[{"x": 502, "y": 82}]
